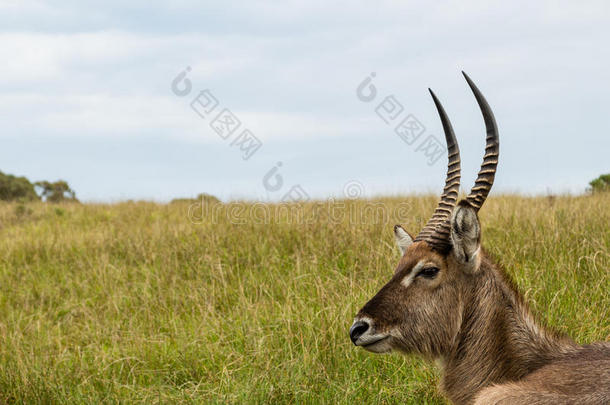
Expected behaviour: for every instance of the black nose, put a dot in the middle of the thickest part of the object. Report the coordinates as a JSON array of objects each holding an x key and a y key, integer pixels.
[{"x": 357, "y": 330}]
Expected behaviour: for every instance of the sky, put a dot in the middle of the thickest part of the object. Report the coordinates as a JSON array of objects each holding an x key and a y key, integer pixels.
[{"x": 130, "y": 100}]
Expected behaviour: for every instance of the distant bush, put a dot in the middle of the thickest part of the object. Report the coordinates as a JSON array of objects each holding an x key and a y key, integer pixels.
[
  {"x": 22, "y": 211},
  {"x": 13, "y": 188},
  {"x": 181, "y": 200},
  {"x": 203, "y": 198},
  {"x": 600, "y": 184}
]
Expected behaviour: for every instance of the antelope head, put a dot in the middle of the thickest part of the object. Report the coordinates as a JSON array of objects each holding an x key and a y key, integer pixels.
[{"x": 420, "y": 309}]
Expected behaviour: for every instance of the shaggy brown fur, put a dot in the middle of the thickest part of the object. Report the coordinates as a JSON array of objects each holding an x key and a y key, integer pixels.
[{"x": 502, "y": 355}]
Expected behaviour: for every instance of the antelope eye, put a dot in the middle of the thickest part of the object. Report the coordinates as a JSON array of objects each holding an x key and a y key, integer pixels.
[{"x": 428, "y": 272}]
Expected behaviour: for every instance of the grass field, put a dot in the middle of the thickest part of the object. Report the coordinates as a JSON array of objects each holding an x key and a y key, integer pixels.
[{"x": 151, "y": 303}]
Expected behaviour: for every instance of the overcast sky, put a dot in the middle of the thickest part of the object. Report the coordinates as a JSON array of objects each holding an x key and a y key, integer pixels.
[{"x": 86, "y": 95}]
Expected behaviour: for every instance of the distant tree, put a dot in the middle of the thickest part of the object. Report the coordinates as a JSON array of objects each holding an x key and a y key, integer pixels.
[
  {"x": 600, "y": 184},
  {"x": 58, "y": 191},
  {"x": 14, "y": 188}
]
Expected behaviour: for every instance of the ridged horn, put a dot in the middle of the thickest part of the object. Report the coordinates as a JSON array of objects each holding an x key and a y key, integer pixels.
[
  {"x": 436, "y": 231},
  {"x": 485, "y": 178}
]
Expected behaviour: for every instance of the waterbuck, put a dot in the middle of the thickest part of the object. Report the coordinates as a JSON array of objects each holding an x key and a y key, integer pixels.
[{"x": 448, "y": 301}]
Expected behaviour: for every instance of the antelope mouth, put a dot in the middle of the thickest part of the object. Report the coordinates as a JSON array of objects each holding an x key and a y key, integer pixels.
[
  {"x": 374, "y": 342},
  {"x": 380, "y": 345}
]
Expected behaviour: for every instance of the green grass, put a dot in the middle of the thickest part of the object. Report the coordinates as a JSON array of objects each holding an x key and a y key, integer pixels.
[{"x": 139, "y": 302}]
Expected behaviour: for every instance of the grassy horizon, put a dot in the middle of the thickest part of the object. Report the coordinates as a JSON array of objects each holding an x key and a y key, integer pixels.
[{"x": 251, "y": 302}]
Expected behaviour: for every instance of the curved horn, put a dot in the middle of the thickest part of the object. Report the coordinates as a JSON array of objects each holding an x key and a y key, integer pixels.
[
  {"x": 486, "y": 176},
  {"x": 436, "y": 230}
]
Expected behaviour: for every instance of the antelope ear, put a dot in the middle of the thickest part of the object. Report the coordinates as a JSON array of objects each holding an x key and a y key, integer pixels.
[
  {"x": 403, "y": 239},
  {"x": 466, "y": 237}
]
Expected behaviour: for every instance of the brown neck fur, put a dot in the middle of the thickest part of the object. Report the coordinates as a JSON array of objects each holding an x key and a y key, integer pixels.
[{"x": 499, "y": 339}]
